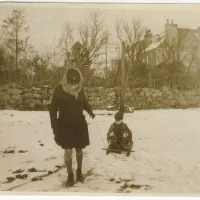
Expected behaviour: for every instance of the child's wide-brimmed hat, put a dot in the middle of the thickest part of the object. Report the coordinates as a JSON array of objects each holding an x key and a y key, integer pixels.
[
  {"x": 119, "y": 116},
  {"x": 73, "y": 76}
]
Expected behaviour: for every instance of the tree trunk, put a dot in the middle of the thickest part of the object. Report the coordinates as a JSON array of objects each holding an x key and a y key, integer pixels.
[
  {"x": 16, "y": 55},
  {"x": 16, "y": 50},
  {"x": 122, "y": 92}
]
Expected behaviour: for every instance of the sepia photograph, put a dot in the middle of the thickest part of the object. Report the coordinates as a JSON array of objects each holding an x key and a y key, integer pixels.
[{"x": 100, "y": 99}]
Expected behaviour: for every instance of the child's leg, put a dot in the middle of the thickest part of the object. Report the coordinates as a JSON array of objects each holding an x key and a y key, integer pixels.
[
  {"x": 114, "y": 144},
  {"x": 68, "y": 160},
  {"x": 79, "y": 158},
  {"x": 126, "y": 143}
]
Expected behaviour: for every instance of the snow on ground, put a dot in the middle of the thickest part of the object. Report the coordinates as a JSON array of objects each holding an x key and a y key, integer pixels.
[{"x": 166, "y": 160}]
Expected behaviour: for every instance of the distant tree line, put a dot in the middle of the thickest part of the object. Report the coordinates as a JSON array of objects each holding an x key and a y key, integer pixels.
[{"x": 86, "y": 47}]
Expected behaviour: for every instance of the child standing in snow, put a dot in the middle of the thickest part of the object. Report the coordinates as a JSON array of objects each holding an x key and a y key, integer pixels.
[
  {"x": 119, "y": 136},
  {"x": 70, "y": 127}
]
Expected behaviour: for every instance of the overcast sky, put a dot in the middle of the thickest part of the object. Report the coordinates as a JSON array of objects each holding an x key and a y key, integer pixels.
[{"x": 46, "y": 20}]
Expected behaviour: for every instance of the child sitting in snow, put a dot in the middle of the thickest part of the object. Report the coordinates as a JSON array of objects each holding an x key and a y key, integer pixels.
[{"x": 119, "y": 135}]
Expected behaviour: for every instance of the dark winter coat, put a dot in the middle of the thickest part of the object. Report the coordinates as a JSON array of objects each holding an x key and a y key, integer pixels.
[
  {"x": 70, "y": 127},
  {"x": 119, "y": 130}
]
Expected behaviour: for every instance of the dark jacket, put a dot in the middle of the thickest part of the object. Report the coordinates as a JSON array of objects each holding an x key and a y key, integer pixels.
[
  {"x": 70, "y": 127},
  {"x": 119, "y": 130}
]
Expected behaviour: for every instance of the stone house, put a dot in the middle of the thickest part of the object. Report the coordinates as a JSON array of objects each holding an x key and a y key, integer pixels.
[{"x": 174, "y": 43}]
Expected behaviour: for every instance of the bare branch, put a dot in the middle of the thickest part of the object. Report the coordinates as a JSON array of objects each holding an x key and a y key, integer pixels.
[{"x": 93, "y": 35}]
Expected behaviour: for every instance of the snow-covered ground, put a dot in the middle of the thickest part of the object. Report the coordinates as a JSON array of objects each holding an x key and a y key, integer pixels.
[{"x": 166, "y": 160}]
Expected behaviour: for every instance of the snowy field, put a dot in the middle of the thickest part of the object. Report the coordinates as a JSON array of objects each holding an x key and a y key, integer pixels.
[{"x": 166, "y": 160}]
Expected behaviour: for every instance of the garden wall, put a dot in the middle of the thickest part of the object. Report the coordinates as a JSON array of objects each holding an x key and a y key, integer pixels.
[{"x": 13, "y": 97}]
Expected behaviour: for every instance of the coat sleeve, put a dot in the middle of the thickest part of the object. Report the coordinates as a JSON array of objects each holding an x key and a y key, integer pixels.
[
  {"x": 110, "y": 130},
  {"x": 129, "y": 132},
  {"x": 86, "y": 105},
  {"x": 53, "y": 110}
]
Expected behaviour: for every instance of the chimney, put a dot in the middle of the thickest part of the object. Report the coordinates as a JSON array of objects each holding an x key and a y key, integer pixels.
[{"x": 171, "y": 31}]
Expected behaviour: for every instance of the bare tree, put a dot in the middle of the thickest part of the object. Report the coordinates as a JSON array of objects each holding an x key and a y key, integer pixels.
[
  {"x": 66, "y": 42},
  {"x": 15, "y": 37},
  {"x": 91, "y": 34},
  {"x": 15, "y": 34},
  {"x": 84, "y": 45},
  {"x": 133, "y": 35}
]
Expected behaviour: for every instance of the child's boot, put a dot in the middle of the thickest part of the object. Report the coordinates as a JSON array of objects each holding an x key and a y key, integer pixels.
[
  {"x": 79, "y": 176},
  {"x": 79, "y": 159},
  {"x": 70, "y": 180}
]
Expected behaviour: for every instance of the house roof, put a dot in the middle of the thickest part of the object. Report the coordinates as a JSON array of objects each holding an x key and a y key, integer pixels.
[
  {"x": 197, "y": 36},
  {"x": 155, "y": 45},
  {"x": 182, "y": 33}
]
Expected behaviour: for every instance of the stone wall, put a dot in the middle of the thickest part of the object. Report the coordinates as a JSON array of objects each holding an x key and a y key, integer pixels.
[
  {"x": 100, "y": 98},
  {"x": 147, "y": 98},
  {"x": 13, "y": 97}
]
